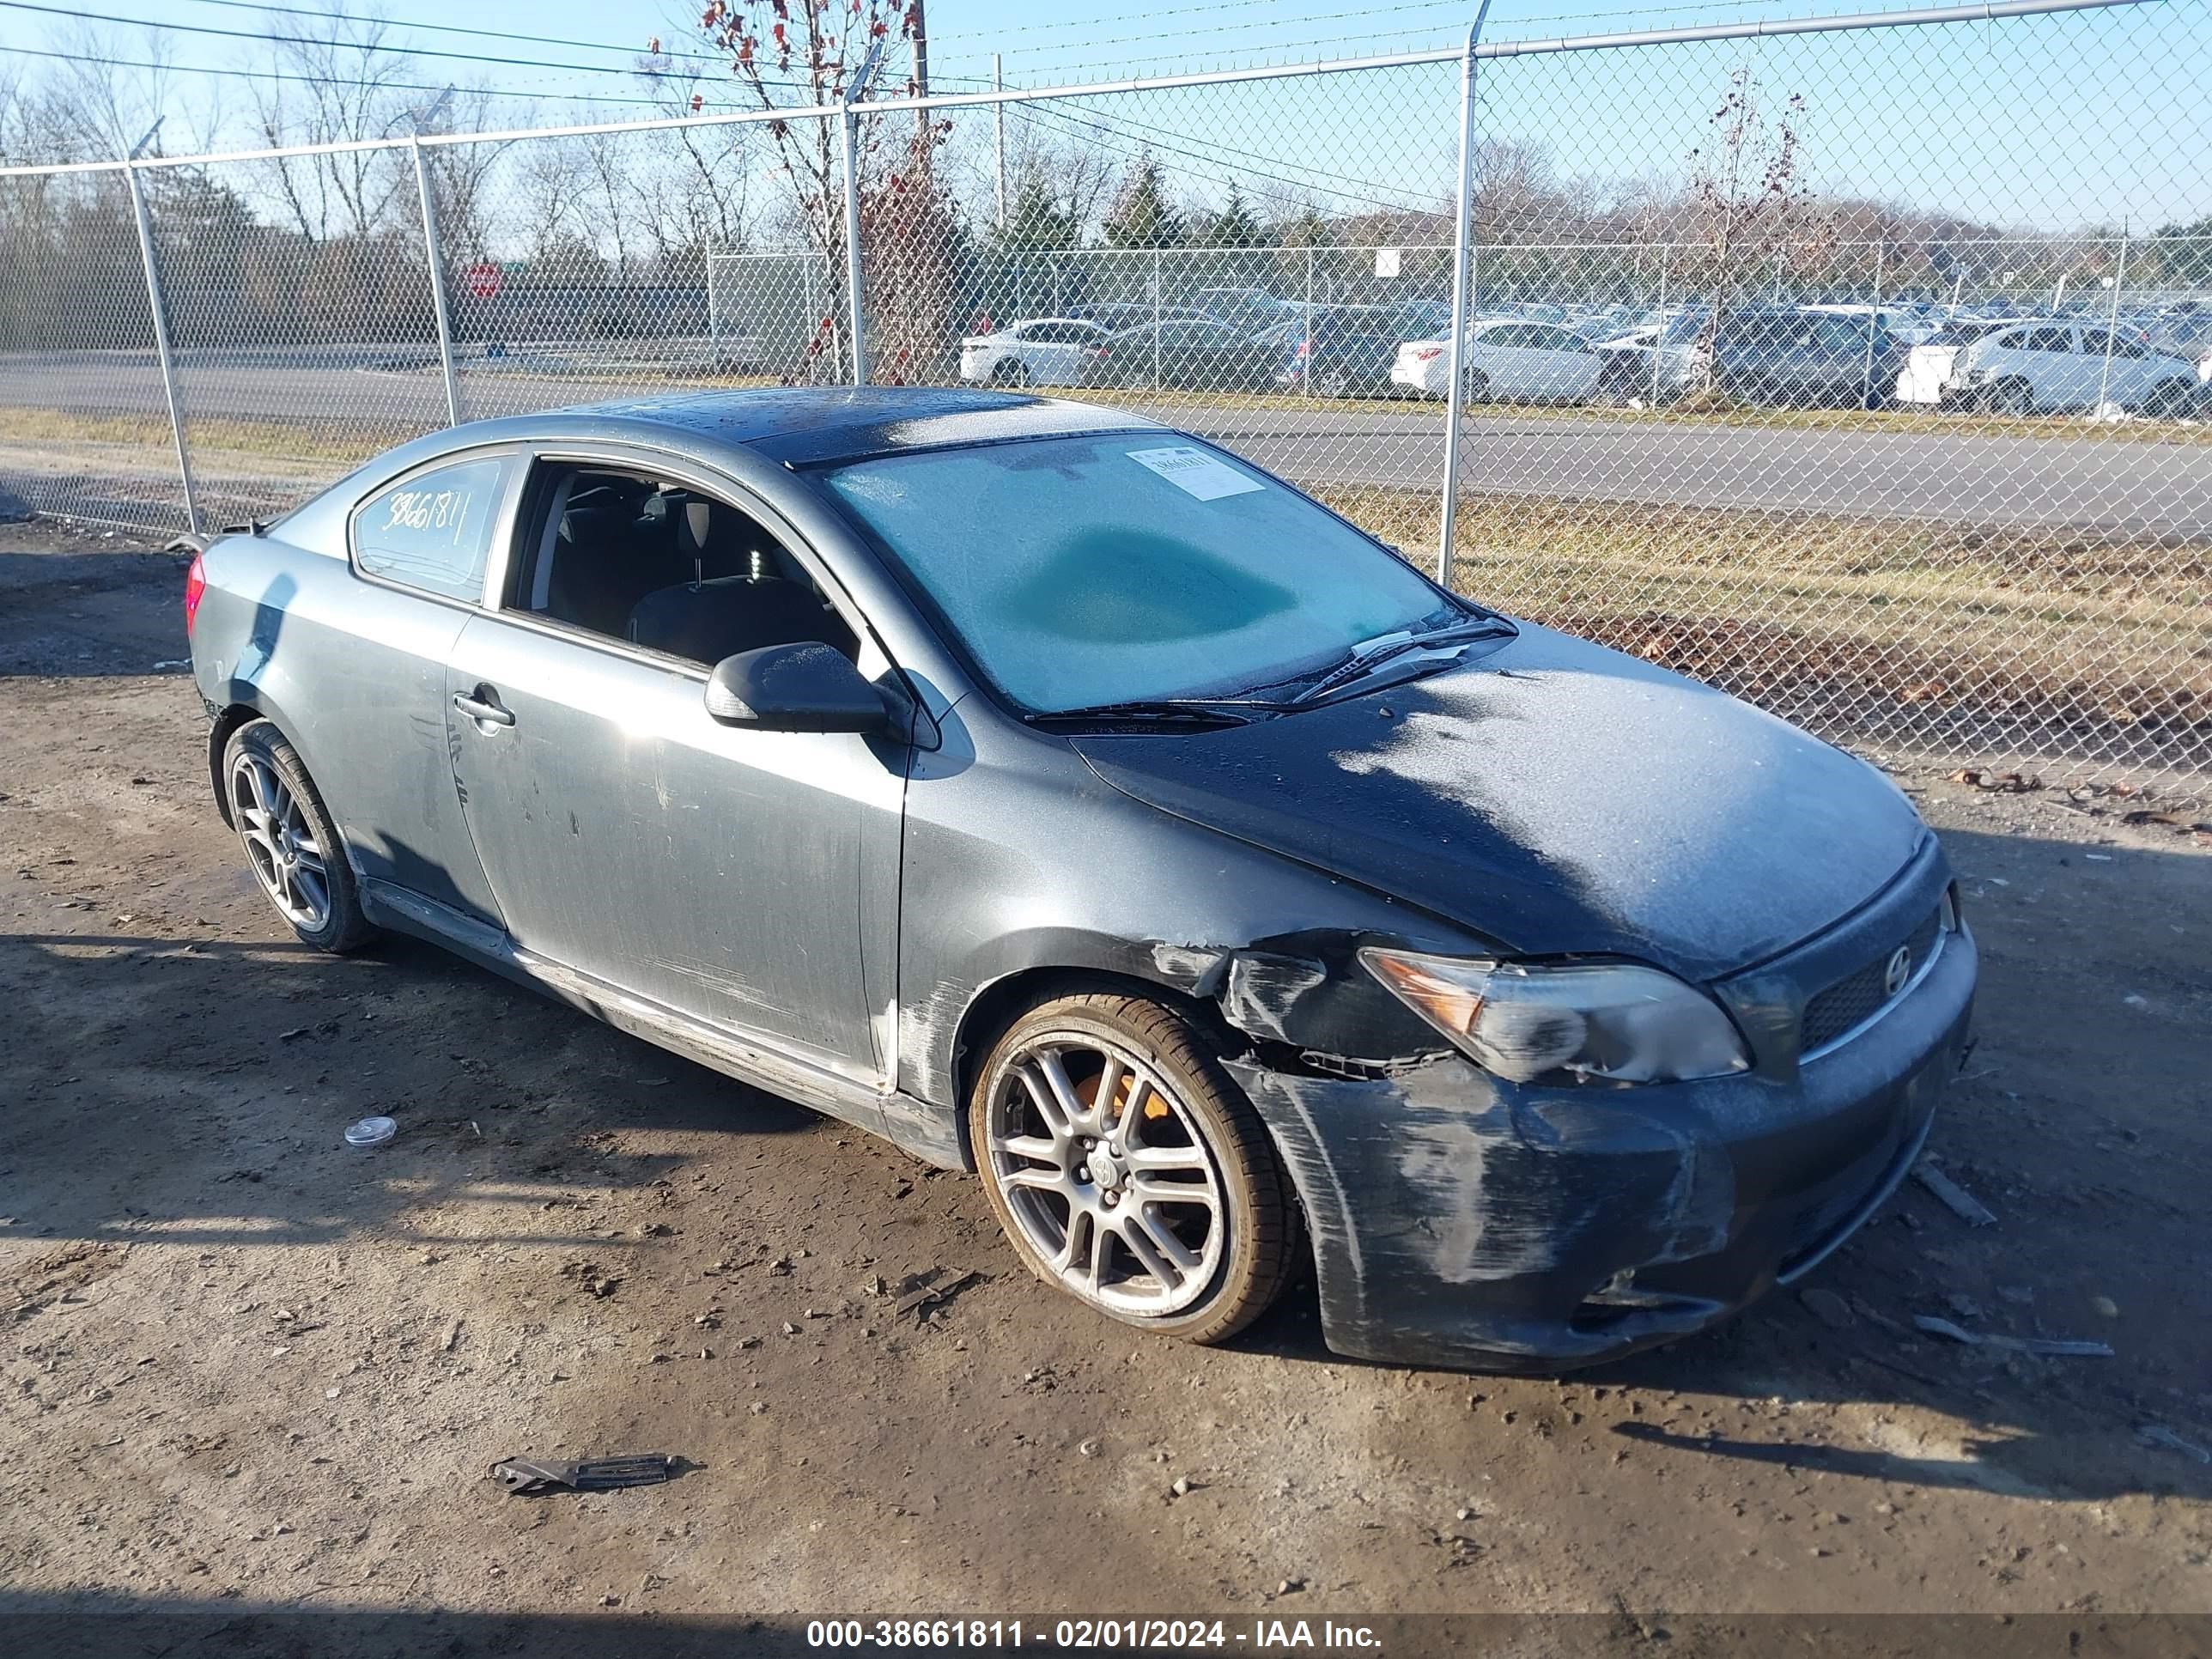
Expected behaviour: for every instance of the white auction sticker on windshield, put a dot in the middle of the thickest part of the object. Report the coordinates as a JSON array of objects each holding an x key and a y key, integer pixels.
[{"x": 1195, "y": 473}]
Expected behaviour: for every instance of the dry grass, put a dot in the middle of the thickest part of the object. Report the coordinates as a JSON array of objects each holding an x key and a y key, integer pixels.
[
  {"x": 327, "y": 445},
  {"x": 1889, "y": 623}
]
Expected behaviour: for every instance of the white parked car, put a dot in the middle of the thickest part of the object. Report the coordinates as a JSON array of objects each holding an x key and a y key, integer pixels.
[
  {"x": 1926, "y": 380},
  {"x": 2050, "y": 366},
  {"x": 1043, "y": 351},
  {"x": 1507, "y": 358}
]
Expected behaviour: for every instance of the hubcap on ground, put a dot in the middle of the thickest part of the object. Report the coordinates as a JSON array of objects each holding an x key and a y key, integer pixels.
[
  {"x": 1108, "y": 1177},
  {"x": 279, "y": 842}
]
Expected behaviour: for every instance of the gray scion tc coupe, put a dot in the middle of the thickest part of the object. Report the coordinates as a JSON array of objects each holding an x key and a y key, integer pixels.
[{"x": 1074, "y": 802}]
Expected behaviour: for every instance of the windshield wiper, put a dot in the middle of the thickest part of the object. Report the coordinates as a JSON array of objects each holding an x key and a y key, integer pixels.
[
  {"x": 1198, "y": 711},
  {"x": 1370, "y": 655}
]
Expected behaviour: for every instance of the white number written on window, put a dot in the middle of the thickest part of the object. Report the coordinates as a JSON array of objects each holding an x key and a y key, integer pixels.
[{"x": 439, "y": 511}]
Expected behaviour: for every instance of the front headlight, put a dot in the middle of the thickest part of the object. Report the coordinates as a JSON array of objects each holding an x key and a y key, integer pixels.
[{"x": 1614, "y": 1021}]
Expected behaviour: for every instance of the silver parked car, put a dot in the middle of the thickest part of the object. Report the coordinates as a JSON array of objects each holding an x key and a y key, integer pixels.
[{"x": 1072, "y": 802}]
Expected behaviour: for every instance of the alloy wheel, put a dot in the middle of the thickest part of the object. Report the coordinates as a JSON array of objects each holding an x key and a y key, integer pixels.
[
  {"x": 279, "y": 842},
  {"x": 1110, "y": 1177}
]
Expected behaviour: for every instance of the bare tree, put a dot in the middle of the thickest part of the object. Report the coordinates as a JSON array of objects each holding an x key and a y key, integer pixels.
[
  {"x": 785, "y": 56},
  {"x": 344, "y": 91},
  {"x": 1750, "y": 208}
]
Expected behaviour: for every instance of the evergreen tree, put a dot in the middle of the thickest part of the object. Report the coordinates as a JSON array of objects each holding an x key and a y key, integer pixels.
[
  {"x": 1037, "y": 219},
  {"x": 1235, "y": 226},
  {"x": 1141, "y": 215}
]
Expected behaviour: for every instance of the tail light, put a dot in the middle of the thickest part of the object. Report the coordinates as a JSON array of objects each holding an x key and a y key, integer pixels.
[
  {"x": 1426, "y": 354},
  {"x": 195, "y": 585},
  {"x": 1304, "y": 350}
]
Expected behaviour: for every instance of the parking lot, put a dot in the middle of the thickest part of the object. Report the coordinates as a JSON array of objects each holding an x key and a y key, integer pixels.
[{"x": 252, "y": 1367}]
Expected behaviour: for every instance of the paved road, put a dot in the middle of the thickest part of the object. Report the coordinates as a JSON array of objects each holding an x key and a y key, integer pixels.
[{"x": 2080, "y": 480}]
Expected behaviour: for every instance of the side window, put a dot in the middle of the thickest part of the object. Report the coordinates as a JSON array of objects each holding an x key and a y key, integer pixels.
[
  {"x": 658, "y": 564},
  {"x": 2048, "y": 339},
  {"x": 432, "y": 530},
  {"x": 1508, "y": 337},
  {"x": 2097, "y": 341}
]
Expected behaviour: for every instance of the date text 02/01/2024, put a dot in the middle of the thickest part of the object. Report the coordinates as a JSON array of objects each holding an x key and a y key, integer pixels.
[{"x": 1259, "y": 1635}]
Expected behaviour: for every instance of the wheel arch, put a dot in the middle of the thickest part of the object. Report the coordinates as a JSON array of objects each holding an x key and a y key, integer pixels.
[
  {"x": 228, "y": 721},
  {"x": 992, "y": 1012}
]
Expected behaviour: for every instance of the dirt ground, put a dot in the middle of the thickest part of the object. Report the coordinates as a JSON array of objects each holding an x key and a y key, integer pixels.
[{"x": 250, "y": 1368}]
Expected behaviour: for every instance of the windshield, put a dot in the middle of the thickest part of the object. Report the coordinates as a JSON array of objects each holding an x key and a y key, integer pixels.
[{"x": 1131, "y": 566}]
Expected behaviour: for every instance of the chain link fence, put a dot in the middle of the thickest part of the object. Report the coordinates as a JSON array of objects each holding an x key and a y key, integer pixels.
[{"x": 1865, "y": 371}]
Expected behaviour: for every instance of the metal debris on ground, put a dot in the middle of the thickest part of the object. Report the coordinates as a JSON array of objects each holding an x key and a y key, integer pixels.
[
  {"x": 2006, "y": 783},
  {"x": 371, "y": 1132},
  {"x": 932, "y": 1289},
  {"x": 1954, "y": 1198},
  {"x": 526, "y": 1477}
]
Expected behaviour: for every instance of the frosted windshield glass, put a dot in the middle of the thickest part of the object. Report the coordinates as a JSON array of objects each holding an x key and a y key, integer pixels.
[{"x": 1081, "y": 571}]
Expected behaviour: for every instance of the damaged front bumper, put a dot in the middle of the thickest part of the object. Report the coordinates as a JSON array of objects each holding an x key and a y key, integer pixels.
[{"x": 1458, "y": 1220}]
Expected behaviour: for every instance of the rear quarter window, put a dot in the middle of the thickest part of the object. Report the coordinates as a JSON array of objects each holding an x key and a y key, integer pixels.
[{"x": 432, "y": 530}]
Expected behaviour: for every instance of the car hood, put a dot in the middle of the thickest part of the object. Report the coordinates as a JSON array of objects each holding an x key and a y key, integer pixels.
[{"x": 1553, "y": 796}]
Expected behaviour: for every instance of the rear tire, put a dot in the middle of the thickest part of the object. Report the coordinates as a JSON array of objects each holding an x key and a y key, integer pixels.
[
  {"x": 1477, "y": 386},
  {"x": 291, "y": 845},
  {"x": 2169, "y": 399},
  {"x": 1128, "y": 1169},
  {"x": 1011, "y": 372}
]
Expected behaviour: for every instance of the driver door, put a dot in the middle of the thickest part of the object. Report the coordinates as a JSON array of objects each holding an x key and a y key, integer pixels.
[{"x": 731, "y": 874}]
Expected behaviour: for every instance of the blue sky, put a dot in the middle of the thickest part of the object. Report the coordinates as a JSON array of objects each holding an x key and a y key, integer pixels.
[{"x": 2059, "y": 122}]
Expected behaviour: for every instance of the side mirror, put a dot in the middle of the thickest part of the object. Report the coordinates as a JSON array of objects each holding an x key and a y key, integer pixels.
[{"x": 794, "y": 688}]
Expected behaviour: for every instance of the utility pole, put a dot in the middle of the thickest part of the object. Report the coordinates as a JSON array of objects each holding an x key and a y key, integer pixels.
[{"x": 999, "y": 115}]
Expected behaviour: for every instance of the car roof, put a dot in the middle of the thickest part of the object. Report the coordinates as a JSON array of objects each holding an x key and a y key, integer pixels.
[{"x": 802, "y": 425}]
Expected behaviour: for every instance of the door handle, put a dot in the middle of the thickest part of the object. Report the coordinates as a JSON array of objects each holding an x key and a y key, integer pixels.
[{"x": 482, "y": 706}]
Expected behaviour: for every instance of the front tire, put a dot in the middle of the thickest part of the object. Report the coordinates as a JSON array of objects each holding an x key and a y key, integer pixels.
[
  {"x": 291, "y": 845},
  {"x": 1129, "y": 1171}
]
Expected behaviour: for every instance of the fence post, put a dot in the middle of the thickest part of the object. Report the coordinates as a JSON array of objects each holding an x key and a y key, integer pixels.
[
  {"x": 1463, "y": 249},
  {"x": 713, "y": 321},
  {"x": 855, "y": 305},
  {"x": 2112, "y": 322},
  {"x": 1156, "y": 319},
  {"x": 433, "y": 253},
  {"x": 1659, "y": 339},
  {"x": 1874, "y": 326},
  {"x": 162, "y": 343}
]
